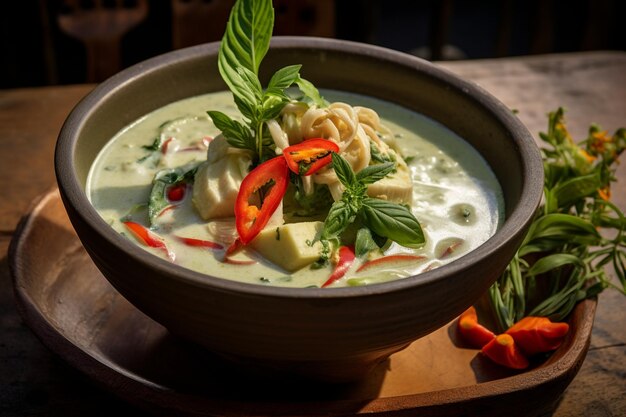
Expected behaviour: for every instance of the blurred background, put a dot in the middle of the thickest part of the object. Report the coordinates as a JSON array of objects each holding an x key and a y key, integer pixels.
[{"x": 50, "y": 42}]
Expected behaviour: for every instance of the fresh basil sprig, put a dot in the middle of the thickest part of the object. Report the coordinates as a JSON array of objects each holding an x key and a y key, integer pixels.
[
  {"x": 243, "y": 47},
  {"x": 384, "y": 218}
]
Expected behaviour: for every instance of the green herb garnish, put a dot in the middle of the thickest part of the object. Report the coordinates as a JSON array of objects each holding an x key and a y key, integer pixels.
[
  {"x": 243, "y": 47},
  {"x": 162, "y": 181},
  {"x": 382, "y": 217},
  {"x": 561, "y": 260}
]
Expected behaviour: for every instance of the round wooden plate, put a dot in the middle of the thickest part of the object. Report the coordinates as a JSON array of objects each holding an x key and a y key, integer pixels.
[{"x": 75, "y": 312}]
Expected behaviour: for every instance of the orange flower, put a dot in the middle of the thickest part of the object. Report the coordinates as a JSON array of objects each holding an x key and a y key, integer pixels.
[{"x": 605, "y": 193}]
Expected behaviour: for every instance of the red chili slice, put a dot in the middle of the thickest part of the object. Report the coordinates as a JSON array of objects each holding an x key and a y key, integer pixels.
[
  {"x": 190, "y": 241},
  {"x": 390, "y": 259},
  {"x": 165, "y": 145},
  {"x": 346, "y": 257},
  {"x": 148, "y": 238},
  {"x": 309, "y": 156},
  {"x": 266, "y": 184}
]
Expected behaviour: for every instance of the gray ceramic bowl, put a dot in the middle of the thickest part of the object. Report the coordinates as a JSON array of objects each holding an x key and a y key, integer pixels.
[{"x": 336, "y": 333}]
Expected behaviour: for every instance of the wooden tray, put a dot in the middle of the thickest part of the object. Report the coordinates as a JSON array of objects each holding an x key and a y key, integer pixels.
[{"x": 76, "y": 313}]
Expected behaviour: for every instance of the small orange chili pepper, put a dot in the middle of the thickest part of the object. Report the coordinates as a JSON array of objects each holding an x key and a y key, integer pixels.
[
  {"x": 503, "y": 351},
  {"x": 472, "y": 332},
  {"x": 538, "y": 334}
]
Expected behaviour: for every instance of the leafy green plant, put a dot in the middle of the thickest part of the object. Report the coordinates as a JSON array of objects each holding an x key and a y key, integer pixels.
[{"x": 562, "y": 258}]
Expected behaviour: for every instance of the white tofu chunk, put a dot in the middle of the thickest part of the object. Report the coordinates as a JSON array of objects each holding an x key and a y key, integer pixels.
[
  {"x": 218, "y": 180},
  {"x": 289, "y": 246},
  {"x": 396, "y": 187}
]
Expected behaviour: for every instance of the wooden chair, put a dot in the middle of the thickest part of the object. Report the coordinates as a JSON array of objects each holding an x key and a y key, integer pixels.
[{"x": 100, "y": 26}]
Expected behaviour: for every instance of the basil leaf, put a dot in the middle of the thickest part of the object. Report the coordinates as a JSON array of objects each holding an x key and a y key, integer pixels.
[
  {"x": 284, "y": 77},
  {"x": 236, "y": 84},
  {"x": 393, "y": 221},
  {"x": 243, "y": 47},
  {"x": 162, "y": 180},
  {"x": 339, "y": 217},
  {"x": 273, "y": 103},
  {"x": 237, "y": 135},
  {"x": 373, "y": 173},
  {"x": 155, "y": 146},
  {"x": 252, "y": 81},
  {"x": 344, "y": 171},
  {"x": 364, "y": 242},
  {"x": 247, "y": 110},
  {"x": 248, "y": 33},
  {"x": 309, "y": 90}
]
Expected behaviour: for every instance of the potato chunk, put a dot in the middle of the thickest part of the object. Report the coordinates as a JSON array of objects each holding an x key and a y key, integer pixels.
[{"x": 286, "y": 245}]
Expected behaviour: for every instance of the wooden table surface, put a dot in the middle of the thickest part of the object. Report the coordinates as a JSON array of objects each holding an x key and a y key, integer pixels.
[{"x": 591, "y": 86}]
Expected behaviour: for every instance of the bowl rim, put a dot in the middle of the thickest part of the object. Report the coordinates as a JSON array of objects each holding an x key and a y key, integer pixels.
[{"x": 73, "y": 194}]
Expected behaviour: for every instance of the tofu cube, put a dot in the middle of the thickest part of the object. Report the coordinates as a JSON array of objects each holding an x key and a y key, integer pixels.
[{"x": 289, "y": 246}]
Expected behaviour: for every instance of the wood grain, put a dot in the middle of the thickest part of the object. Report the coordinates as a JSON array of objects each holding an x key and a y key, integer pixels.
[{"x": 30, "y": 120}]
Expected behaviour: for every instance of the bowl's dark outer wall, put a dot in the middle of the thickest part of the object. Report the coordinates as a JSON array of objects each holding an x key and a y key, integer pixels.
[{"x": 337, "y": 333}]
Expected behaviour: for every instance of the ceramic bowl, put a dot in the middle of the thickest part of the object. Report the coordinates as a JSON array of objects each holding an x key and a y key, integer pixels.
[{"x": 334, "y": 334}]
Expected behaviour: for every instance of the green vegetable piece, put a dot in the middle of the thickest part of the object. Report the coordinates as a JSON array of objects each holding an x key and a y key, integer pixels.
[
  {"x": 393, "y": 221},
  {"x": 384, "y": 218}
]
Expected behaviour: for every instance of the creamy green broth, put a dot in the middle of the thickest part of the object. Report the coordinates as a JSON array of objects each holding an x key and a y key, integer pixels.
[{"x": 456, "y": 197}]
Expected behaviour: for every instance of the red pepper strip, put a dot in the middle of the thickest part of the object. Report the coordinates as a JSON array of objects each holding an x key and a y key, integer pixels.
[
  {"x": 538, "y": 334},
  {"x": 176, "y": 192},
  {"x": 249, "y": 218},
  {"x": 310, "y": 156},
  {"x": 473, "y": 332},
  {"x": 165, "y": 145},
  {"x": 190, "y": 241},
  {"x": 503, "y": 351},
  {"x": 346, "y": 257},
  {"x": 390, "y": 259},
  {"x": 238, "y": 262},
  {"x": 148, "y": 238},
  {"x": 450, "y": 249},
  {"x": 233, "y": 248},
  {"x": 166, "y": 209}
]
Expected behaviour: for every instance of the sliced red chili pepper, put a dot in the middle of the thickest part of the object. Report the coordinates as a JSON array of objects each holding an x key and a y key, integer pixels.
[
  {"x": 346, "y": 258},
  {"x": 538, "y": 334},
  {"x": 148, "y": 238},
  {"x": 166, "y": 144},
  {"x": 190, "y": 241},
  {"x": 166, "y": 209},
  {"x": 309, "y": 156},
  {"x": 176, "y": 192},
  {"x": 473, "y": 332},
  {"x": 233, "y": 248},
  {"x": 390, "y": 259},
  {"x": 238, "y": 262},
  {"x": 267, "y": 184},
  {"x": 503, "y": 351}
]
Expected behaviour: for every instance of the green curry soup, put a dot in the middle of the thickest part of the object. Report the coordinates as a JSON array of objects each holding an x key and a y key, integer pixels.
[{"x": 454, "y": 196}]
